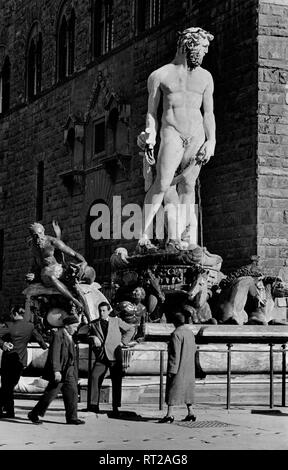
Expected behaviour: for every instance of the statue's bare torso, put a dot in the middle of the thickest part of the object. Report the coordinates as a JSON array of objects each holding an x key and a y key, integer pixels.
[
  {"x": 45, "y": 255},
  {"x": 182, "y": 98}
]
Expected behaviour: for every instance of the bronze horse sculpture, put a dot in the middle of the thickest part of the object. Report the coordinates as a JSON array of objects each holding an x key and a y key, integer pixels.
[
  {"x": 247, "y": 300},
  {"x": 240, "y": 300},
  {"x": 191, "y": 302}
]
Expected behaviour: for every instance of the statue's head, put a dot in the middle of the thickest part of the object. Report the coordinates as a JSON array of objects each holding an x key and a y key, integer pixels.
[
  {"x": 194, "y": 43},
  {"x": 138, "y": 294},
  {"x": 37, "y": 233}
]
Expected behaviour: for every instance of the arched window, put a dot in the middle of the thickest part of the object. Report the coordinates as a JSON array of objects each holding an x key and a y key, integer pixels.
[
  {"x": 71, "y": 39},
  {"x": 66, "y": 44},
  {"x": 34, "y": 62},
  {"x": 5, "y": 86},
  {"x": 149, "y": 13},
  {"x": 103, "y": 26}
]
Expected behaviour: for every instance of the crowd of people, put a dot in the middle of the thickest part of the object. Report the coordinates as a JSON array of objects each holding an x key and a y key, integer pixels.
[{"x": 108, "y": 335}]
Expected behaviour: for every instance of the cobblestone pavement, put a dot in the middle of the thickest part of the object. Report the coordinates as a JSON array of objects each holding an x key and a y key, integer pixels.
[{"x": 215, "y": 429}]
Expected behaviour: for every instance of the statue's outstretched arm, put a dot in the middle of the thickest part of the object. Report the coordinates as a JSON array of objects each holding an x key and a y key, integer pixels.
[
  {"x": 74, "y": 254},
  {"x": 57, "y": 229}
]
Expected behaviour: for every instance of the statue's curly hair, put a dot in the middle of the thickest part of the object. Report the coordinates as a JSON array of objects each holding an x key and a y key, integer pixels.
[
  {"x": 143, "y": 293},
  {"x": 36, "y": 225},
  {"x": 192, "y": 37}
]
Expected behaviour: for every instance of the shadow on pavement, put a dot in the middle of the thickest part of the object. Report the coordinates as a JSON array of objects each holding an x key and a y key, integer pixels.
[
  {"x": 123, "y": 415},
  {"x": 130, "y": 416},
  {"x": 25, "y": 407},
  {"x": 269, "y": 412},
  {"x": 17, "y": 420}
]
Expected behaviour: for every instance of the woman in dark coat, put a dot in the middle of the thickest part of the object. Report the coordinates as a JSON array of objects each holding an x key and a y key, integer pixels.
[{"x": 180, "y": 381}]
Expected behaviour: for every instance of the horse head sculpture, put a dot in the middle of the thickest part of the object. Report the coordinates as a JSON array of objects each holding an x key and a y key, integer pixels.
[
  {"x": 248, "y": 299},
  {"x": 192, "y": 301},
  {"x": 269, "y": 288}
]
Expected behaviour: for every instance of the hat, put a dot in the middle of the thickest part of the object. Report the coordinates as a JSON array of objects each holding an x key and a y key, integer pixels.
[{"x": 70, "y": 320}]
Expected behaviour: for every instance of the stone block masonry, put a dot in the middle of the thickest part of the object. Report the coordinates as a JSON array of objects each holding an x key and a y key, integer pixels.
[{"x": 272, "y": 151}]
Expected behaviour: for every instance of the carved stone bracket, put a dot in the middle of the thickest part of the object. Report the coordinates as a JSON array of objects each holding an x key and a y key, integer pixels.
[
  {"x": 76, "y": 124},
  {"x": 117, "y": 164}
]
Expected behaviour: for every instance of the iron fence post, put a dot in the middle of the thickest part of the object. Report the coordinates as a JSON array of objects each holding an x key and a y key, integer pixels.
[
  {"x": 284, "y": 374},
  {"x": 161, "y": 381},
  {"x": 77, "y": 365},
  {"x": 228, "y": 375},
  {"x": 89, "y": 376},
  {"x": 271, "y": 377}
]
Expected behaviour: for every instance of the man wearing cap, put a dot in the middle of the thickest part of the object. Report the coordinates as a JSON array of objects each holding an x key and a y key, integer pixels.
[
  {"x": 61, "y": 371},
  {"x": 107, "y": 335}
]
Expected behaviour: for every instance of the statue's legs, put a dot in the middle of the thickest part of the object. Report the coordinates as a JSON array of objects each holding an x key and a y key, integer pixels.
[
  {"x": 64, "y": 291},
  {"x": 50, "y": 277},
  {"x": 169, "y": 158},
  {"x": 188, "y": 214},
  {"x": 186, "y": 190},
  {"x": 173, "y": 211}
]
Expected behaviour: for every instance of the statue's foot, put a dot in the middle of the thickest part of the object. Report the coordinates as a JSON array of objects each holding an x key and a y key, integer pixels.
[
  {"x": 186, "y": 235},
  {"x": 274, "y": 321},
  {"x": 145, "y": 246},
  {"x": 202, "y": 256},
  {"x": 174, "y": 246}
]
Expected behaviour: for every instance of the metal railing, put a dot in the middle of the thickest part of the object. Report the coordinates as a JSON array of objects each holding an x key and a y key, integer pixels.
[
  {"x": 271, "y": 371},
  {"x": 127, "y": 353}
]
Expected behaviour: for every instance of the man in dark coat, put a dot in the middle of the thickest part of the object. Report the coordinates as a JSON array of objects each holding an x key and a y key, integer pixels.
[
  {"x": 180, "y": 380},
  {"x": 62, "y": 372},
  {"x": 107, "y": 335},
  {"x": 14, "y": 338}
]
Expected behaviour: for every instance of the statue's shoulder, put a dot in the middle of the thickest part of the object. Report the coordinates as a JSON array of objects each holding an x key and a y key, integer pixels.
[
  {"x": 158, "y": 74},
  {"x": 206, "y": 75},
  {"x": 53, "y": 240}
]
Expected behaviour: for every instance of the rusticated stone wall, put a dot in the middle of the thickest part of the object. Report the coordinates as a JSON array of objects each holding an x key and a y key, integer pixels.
[
  {"x": 228, "y": 182},
  {"x": 272, "y": 162}
]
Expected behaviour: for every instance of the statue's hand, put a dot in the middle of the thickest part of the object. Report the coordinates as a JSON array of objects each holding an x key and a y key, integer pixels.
[
  {"x": 82, "y": 268},
  {"x": 206, "y": 152},
  {"x": 56, "y": 228},
  {"x": 7, "y": 346},
  {"x": 57, "y": 377},
  {"x": 149, "y": 154},
  {"x": 146, "y": 147},
  {"x": 30, "y": 277},
  {"x": 141, "y": 140}
]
